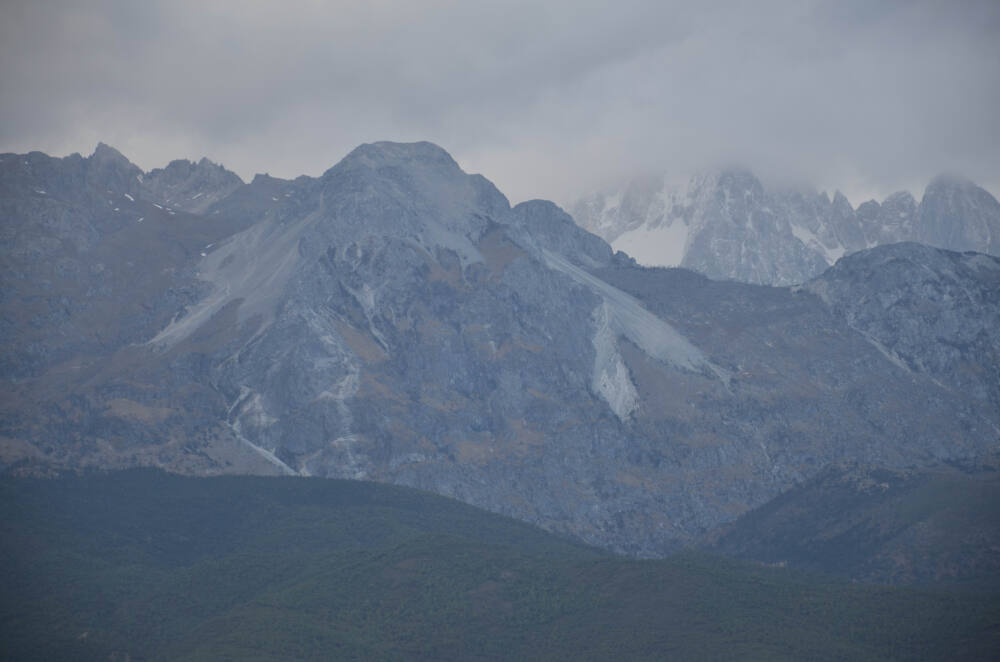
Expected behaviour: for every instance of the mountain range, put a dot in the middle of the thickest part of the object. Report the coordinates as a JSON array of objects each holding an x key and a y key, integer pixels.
[
  {"x": 726, "y": 225},
  {"x": 397, "y": 320}
]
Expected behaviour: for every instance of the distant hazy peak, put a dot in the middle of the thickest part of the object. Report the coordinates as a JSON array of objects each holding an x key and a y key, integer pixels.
[
  {"x": 106, "y": 153},
  {"x": 900, "y": 198},
  {"x": 734, "y": 176},
  {"x": 840, "y": 201},
  {"x": 203, "y": 168},
  {"x": 107, "y": 163},
  {"x": 538, "y": 207},
  {"x": 726, "y": 224},
  {"x": 188, "y": 185},
  {"x": 264, "y": 178},
  {"x": 956, "y": 213},
  {"x": 950, "y": 180}
]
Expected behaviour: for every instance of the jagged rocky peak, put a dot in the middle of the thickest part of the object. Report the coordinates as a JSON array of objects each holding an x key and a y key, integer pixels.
[
  {"x": 889, "y": 222},
  {"x": 105, "y": 154},
  {"x": 957, "y": 214},
  {"x": 190, "y": 186},
  {"x": 182, "y": 184},
  {"x": 109, "y": 168},
  {"x": 846, "y": 233},
  {"x": 736, "y": 183},
  {"x": 723, "y": 223},
  {"x": 727, "y": 225},
  {"x": 382, "y": 199},
  {"x": 612, "y": 213}
]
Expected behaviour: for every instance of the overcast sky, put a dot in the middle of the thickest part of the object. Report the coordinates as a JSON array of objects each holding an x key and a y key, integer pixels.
[{"x": 547, "y": 99}]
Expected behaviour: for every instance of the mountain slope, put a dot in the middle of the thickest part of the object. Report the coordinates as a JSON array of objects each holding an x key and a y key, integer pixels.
[
  {"x": 396, "y": 320},
  {"x": 144, "y": 565},
  {"x": 931, "y": 311},
  {"x": 930, "y": 526}
]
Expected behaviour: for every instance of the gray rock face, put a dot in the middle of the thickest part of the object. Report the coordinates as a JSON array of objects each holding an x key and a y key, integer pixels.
[
  {"x": 396, "y": 320},
  {"x": 891, "y": 222},
  {"x": 739, "y": 233},
  {"x": 957, "y": 214},
  {"x": 932, "y": 311},
  {"x": 92, "y": 257},
  {"x": 726, "y": 226},
  {"x": 193, "y": 187}
]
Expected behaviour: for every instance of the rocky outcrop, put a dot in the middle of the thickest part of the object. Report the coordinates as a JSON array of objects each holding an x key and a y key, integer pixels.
[
  {"x": 931, "y": 311},
  {"x": 193, "y": 187},
  {"x": 957, "y": 214}
]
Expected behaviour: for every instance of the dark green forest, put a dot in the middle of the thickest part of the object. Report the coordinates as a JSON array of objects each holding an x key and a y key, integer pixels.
[{"x": 144, "y": 565}]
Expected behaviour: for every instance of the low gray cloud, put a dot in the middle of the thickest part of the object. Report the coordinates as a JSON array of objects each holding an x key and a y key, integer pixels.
[{"x": 547, "y": 99}]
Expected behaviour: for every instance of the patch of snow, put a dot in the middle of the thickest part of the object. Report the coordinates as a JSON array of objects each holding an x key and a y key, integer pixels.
[
  {"x": 140, "y": 219},
  {"x": 157, "y": 206},
  {"x": 139, "y": 177},
  {"x": 40, "y": 191},
  {"x": 662, "y": 246},
  {"x": 204, "y": 254},
  {"x": 115, "y": 209},
  {"x": 196, "y": 196},
  {"x": 275, "y": 199},
  {"x": 129, "y": 197}
]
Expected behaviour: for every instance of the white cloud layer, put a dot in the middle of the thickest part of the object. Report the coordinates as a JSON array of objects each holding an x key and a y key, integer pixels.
[{"x": 547, "y": 99}]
